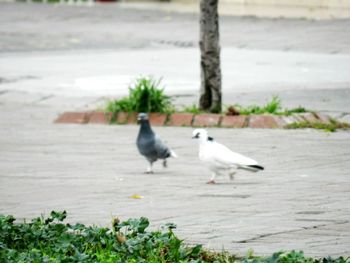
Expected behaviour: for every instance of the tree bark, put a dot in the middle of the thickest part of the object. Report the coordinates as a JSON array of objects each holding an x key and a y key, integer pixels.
[{"x": 210, "y": 90}]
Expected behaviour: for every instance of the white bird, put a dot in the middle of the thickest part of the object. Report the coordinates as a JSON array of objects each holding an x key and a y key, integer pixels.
[{"x": 221, "y": 159}]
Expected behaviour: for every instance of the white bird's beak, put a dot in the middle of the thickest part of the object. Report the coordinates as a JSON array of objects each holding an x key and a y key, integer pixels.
[{"x": 195, "y": 136}]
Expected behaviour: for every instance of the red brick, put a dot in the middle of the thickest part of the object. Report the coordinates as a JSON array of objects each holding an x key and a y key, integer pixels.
[
  {"x": 73, "y": 117},
  {"x": 132, "y": 118},
  {"x": 309, "y": 117},
  {"x": 206, "y": 120},
  {"x": 181, "y": 119},
  {"x": 122, "y": 117},
  {"x": 298, "y": 118},
  {"x": 288, "y": 120},
  {"x": 323, "y": 117},
  {"x": 266, "y": 121},
  {"x": 234, "y": 121},
  {"x": 100, "y": 117},
  {"x": 157, "y": 119},
  {"x": 280, "y": 121}
]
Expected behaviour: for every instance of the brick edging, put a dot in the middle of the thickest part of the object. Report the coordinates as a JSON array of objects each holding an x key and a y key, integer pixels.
[{"x": 195, "y": 120}]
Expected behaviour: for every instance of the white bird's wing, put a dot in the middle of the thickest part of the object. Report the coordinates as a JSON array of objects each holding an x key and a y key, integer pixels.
[{"x": 225, "y": 156}]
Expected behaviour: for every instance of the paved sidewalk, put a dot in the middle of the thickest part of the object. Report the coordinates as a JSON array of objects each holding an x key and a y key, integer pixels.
[
  {"x": 86, "y": 79},
  {"x": 301, "y": 200}
]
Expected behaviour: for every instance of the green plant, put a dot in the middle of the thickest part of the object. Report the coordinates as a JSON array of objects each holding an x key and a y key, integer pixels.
[
  {"x": 274, "y": 106},
  {"x": 145, "y": 95},
  {"x": 119, "y": 105},
  {"x": 51, "y": 240},
  {"x": 294, "y": 110},
  {"x": 332, "y": 126},
  {"x": 192, "y": 109}
]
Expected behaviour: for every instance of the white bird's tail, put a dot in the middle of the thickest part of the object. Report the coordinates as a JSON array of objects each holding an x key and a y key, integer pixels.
[{"x": 251, "y": 168}]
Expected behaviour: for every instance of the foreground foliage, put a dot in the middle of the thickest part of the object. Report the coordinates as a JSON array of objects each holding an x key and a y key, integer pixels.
[{"x": 51, "y": 240}]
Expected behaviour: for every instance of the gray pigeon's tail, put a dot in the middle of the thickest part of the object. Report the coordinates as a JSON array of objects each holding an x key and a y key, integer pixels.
[{"x": 173, "y": 154}]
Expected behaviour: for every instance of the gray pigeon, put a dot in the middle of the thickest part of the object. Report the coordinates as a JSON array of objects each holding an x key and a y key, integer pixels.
[{"x": 150, "y": 145}]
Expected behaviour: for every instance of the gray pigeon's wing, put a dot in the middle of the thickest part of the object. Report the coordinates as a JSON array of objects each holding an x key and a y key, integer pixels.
[
  {"x": 146, "y": 146},
  {"x": 162, "y": 150}
]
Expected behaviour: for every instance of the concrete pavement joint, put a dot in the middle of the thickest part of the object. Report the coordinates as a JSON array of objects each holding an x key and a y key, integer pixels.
[{"x": 290, "y": 231}]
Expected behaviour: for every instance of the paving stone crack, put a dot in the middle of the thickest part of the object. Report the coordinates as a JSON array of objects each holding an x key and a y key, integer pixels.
[{"x": 340, "y": 222}]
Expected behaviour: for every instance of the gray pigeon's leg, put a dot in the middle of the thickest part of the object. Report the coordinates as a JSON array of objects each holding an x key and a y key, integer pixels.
[
  {"x": 149, "y": 168},
  {"x": 212, "y": 181},
  {"x": 165, "y": 163}
]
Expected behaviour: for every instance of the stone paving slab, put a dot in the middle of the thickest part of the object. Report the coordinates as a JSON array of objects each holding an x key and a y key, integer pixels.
[
  {"x": 299, "y": 202},
  {"x": 29, "y": 27}
]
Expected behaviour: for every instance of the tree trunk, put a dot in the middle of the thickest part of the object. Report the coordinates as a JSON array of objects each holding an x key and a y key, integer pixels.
[{"x": 210, "y": 91}]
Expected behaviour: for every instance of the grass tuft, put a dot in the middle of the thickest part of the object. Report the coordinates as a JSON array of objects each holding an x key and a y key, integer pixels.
[
  {"x": 145, "y": 95},
  {"x": 332, "y": 126},
  {"x": 192, "y": 109},
  {"x": 274, "y": 106}
]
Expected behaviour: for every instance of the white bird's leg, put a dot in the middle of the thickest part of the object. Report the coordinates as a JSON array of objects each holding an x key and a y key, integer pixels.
[
  {"x": 231, "y": 174},
  {"x": 165, "y": 163},
  {"x": 212, "y": 181},
  {"x": 149, "y": 169}
]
